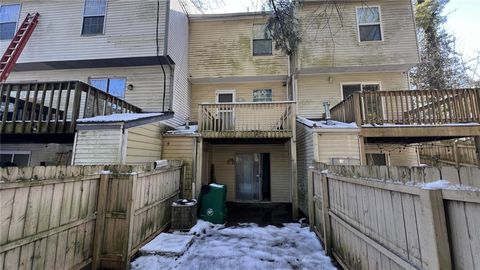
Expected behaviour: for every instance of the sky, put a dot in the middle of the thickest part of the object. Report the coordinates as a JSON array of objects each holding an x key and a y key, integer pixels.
[{"x": 463, "y": 21}]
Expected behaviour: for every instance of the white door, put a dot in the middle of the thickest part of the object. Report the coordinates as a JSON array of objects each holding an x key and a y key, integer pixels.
[{"x": 225, "y": 111}]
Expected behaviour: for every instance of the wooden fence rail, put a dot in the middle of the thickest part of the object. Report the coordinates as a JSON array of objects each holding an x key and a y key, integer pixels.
[
  {"x": 372, "y": 223},
  {"x": 451, "y": 153},
  {"x": 79, "y": 220},
  {"x": 54, "y": 107},
  {"x": 413, "y": 107}
]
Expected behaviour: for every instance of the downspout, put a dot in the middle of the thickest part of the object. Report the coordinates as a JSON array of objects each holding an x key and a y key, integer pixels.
[{"x": 158, "y": 55}]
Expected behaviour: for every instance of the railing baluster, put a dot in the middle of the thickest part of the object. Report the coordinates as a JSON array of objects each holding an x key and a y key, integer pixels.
[
  {"x": 40, "y": 111},
  {"x": 15, "y": 108},
  {"x": 25, "y": 108},
  {"x": 67, "y": 105},
  {"x": 6, "y": 107}
]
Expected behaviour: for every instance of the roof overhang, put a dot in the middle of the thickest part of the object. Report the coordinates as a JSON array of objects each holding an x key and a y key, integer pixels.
[
  {"x": 239, "y": 79},
  {"x": 356, "y": 69}
]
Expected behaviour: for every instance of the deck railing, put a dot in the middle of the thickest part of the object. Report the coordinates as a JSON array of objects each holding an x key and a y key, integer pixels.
[
  {"x": 272, "y": 119},
  {"x": 54, "y": 107},
  {"x": 412, "y": 107}
]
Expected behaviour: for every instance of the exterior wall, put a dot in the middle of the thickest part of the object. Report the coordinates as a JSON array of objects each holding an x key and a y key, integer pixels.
[
  {"x": 220, "y": 154},
  {"x": 397, "y": 155},
  {"x": 223, "y": 48},
  {"x": 313, "y": 90},
  {"x": 144, "y": 143},
  {"x": 147, "y": 82},
  {"x": 178, "y": 51},
  {"x": 181, "y": 148},
  {"x": 337, "y": 145},
  {"x": 320, "y": 49},
  {"x": 129, "y": 32},
  {"x": 47, "y": 153},
  {"x": 305, "y": 158},
  {"x": 102, "y": 146},
  {"x": 202, "y": 93}
]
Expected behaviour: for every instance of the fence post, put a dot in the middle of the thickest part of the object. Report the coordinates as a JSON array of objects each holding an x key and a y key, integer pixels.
[
  {"x": 327, "y": 230},
  {"x": 434, "y": 234},
  {"x": 311, "y": 206},
  {"x": 100, "y": 220},
  {"x": 132, "y": 189}
]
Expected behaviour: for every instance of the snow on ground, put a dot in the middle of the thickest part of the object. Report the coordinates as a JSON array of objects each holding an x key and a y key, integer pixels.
[
  {"x": 246, "y": 246},
  {"x": 119, "y": 117},
  {"x": 325, "y": 123}
]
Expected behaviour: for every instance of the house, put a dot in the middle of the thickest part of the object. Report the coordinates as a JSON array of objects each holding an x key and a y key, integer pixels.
[{"x": 85, "y": 59}]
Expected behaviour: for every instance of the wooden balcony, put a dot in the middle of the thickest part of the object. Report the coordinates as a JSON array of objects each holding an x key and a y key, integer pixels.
[
  {"x": 247, "y": 120},
  {"x": 54, "y": 107},
  {"x": 413, "y": 113}
]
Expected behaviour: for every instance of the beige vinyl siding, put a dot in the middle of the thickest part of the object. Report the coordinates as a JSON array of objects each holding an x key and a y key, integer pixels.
[
  {"x": 102, "y": 146},
  {"x": 202, "y": 93},
  {"x": 337, "y": 145},
  {"x": 147, "y": 82},
  {"x": 320, "y": 49},
  {"x": 223, "y": 48},
  {"x": 313, "y": 90},
  {"x": 220, "y": 154},
  {"x": 181, "y": 148},
  {"x": 144, "y": 143},
  {"x": 178, "y": 51},
  {"x": 48, "y": 153},
  {"x": 130, "y": 31},
  {"x": 305, "y": 158},
  {"x": 397, "y": 154}
]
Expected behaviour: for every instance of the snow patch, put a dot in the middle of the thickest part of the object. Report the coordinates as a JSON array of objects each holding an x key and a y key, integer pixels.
[
  {"x": 325, "y": 123},
  {"x": 246, "y": 246},
  {"x": 184, "y": 130},
  {"x": 167, "y": 244},
  {"x": 439, "y": 184},
  {"x": 119, "y": 117}
]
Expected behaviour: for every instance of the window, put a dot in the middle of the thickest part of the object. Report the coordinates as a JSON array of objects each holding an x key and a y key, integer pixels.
[
  {"x": 369, "y": 26},
  {"x": 262, "y": 43},
  {"x": 349, "y": 88},
  {"x": 13, "y": 159},
  {"x": 113, "y": 86},
  {"x": 376, "y": 159},
  {"x": 8, "y": 20},
  {"x": 94, "y": 17},
  {"x": 225, "y": 96},
  {"x": 262, "y": 95}
]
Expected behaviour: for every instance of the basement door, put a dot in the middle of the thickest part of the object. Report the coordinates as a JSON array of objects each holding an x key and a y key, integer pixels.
[{"x": 252, "y": 176}]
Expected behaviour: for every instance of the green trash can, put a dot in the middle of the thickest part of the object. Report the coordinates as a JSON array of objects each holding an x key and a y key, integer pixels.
[{"x": 212, "y": 202}]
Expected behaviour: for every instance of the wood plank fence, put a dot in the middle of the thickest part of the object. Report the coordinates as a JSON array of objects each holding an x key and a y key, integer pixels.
[
  {"x": 81, "y": 216},
  {"x": 371, "y": 222},
  {"x": 449, "y": 153}
]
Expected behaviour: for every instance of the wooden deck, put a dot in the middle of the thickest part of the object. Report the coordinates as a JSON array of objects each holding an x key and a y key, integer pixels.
[
  {"x": 54, "y": 107},
  {"x": 414, "y": 113},
  {"x": 247, "y": 120}
]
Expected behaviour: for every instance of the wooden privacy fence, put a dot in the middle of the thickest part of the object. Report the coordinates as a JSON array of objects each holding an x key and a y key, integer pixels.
[
  {"x": 54, "y": 107},
  {"x": 449, "y": 153},
  {"x": 371, "y": 222},
  {"x": 412, "y": 107},
  {"x": 68, "y": 219}
]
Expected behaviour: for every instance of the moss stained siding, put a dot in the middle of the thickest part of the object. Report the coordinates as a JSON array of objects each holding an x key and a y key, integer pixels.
[
  {"x": 320, "y": 49},
  {"x": 223, "y": 48}
]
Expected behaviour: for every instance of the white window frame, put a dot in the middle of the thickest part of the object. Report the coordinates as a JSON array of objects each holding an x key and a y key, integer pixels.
[
  {"x": 382, "y": 38},
  {"x": 110, "y": 78},
  {"x": 218, "y": 92},
  {"x": 361, "y": 86},
  {"x": 18, "y": 19},
  {"x": 13, "y": 153},
  {"x": 259, "y": 89},
  {"x": 253, "y": 39},
  {"x": 104, "y": 20}
]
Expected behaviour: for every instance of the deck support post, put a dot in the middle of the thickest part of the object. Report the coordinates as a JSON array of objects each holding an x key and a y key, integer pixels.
[
  {"x": 477, "y": 148},
  {"x": 363, "y": 155}
]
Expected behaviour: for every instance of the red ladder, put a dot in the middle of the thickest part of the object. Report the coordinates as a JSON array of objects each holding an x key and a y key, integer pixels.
[{"x": 17, "y": 44}]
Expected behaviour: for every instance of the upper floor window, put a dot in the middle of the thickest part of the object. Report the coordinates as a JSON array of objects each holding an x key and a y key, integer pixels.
[
  {"x": 262, "y": 43},
  {"x": 262, "y": 95},
  {"x": 369, "y": 25},
  {"x": 113, "y": 86},
  {"x": 8, "y": 20},
  {"x": 94, "y": 17}
]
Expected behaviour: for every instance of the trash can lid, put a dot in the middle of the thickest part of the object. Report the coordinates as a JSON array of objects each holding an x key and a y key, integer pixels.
[{"x": 184, "y": 202}]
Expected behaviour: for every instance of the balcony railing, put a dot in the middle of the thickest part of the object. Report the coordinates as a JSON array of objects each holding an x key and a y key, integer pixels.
[
  {"x": 54, "y": 107},
  {"x": 247, "y": 120},
  {"x": 413, "y": 107}
]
